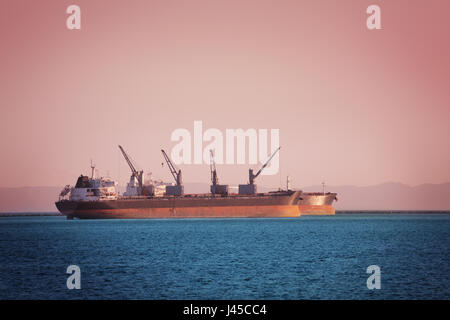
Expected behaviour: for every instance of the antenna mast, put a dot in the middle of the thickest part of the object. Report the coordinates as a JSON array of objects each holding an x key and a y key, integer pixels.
[{"x": 92, "y": 170}]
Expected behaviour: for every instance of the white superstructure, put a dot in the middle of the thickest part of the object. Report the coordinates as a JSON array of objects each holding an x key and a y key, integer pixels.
[{"x": 90, "y": 189}]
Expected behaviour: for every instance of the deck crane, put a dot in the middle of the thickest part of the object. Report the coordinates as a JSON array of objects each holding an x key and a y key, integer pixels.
[
  {"x": 252, "y": 177},
  {"x": 176, "y": 174},
  {"x": 216, "y": 188},
  {"x": 250, "y": 188},
  {"x": 212, "y": 166},
  {"x": 178, "y": 189},
  {"x": 135, "y": 174}
]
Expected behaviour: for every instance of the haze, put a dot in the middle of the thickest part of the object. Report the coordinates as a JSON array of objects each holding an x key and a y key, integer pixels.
[{"x": 354, "y": 106}]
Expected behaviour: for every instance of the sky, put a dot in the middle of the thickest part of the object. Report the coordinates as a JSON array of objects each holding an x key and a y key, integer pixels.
[{"x": 353, "y": 106}]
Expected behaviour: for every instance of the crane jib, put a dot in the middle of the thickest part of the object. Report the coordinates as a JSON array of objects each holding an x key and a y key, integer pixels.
[
  {"x": 176, "y": 174},
  {"x": 267, "y": 162}
]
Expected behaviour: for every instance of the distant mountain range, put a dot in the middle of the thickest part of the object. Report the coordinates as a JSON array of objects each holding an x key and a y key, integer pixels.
[
  {"x": 391, "y": 196},
  {"x": 386, "y": 196}
]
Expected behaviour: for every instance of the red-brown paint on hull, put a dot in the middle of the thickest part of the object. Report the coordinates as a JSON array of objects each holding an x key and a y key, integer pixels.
[
  {"x": 316, "y": 210},
  {"x": 190, "y": 212},
  {"x": 277, "y": 204}
]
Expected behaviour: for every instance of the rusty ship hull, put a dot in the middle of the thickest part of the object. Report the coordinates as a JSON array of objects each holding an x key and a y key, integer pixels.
[
  {"x": 317, "y": 203},
  {"x": 278, "y": 204}
]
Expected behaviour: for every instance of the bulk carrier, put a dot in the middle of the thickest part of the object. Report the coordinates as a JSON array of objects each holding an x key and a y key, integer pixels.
[
  {"x": 97, "y": 198},
  {"x": 317, "y": 203}
]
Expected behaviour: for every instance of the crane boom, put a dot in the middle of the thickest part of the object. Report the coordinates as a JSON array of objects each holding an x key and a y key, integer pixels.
[
  {"x": 252, "y": 176},
  {"x": 130, "y": 164},
  {"x": 176, "y": 174},
  {"x": 135, "y": 175},
  {"x": 214, "y": 178},
  {"x": 216, "y": 188}
]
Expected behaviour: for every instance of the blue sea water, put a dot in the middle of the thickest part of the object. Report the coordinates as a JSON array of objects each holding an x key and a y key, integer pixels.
[{"x": 301, "y": 258}]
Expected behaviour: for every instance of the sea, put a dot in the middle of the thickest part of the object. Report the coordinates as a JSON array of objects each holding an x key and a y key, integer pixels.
[{"x": 346, "y": 256}]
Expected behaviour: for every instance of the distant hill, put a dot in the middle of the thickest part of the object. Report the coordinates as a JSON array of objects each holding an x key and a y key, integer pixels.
[
  {"x": 29, "y": 199},
  {"x": 386, "y": 196},
  {"x": 390, "y": 196}
]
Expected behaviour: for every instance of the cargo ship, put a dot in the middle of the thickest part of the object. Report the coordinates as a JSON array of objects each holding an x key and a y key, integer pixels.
[
  {"x": 97, "y": 198},
  {"x": 317, "y": 203}
]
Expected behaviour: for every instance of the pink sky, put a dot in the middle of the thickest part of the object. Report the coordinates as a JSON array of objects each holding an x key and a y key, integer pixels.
[{"x": 353, "y": 106}]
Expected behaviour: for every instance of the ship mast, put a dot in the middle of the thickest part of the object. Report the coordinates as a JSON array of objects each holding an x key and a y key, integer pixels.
[{"x": 92, "y": 170}]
